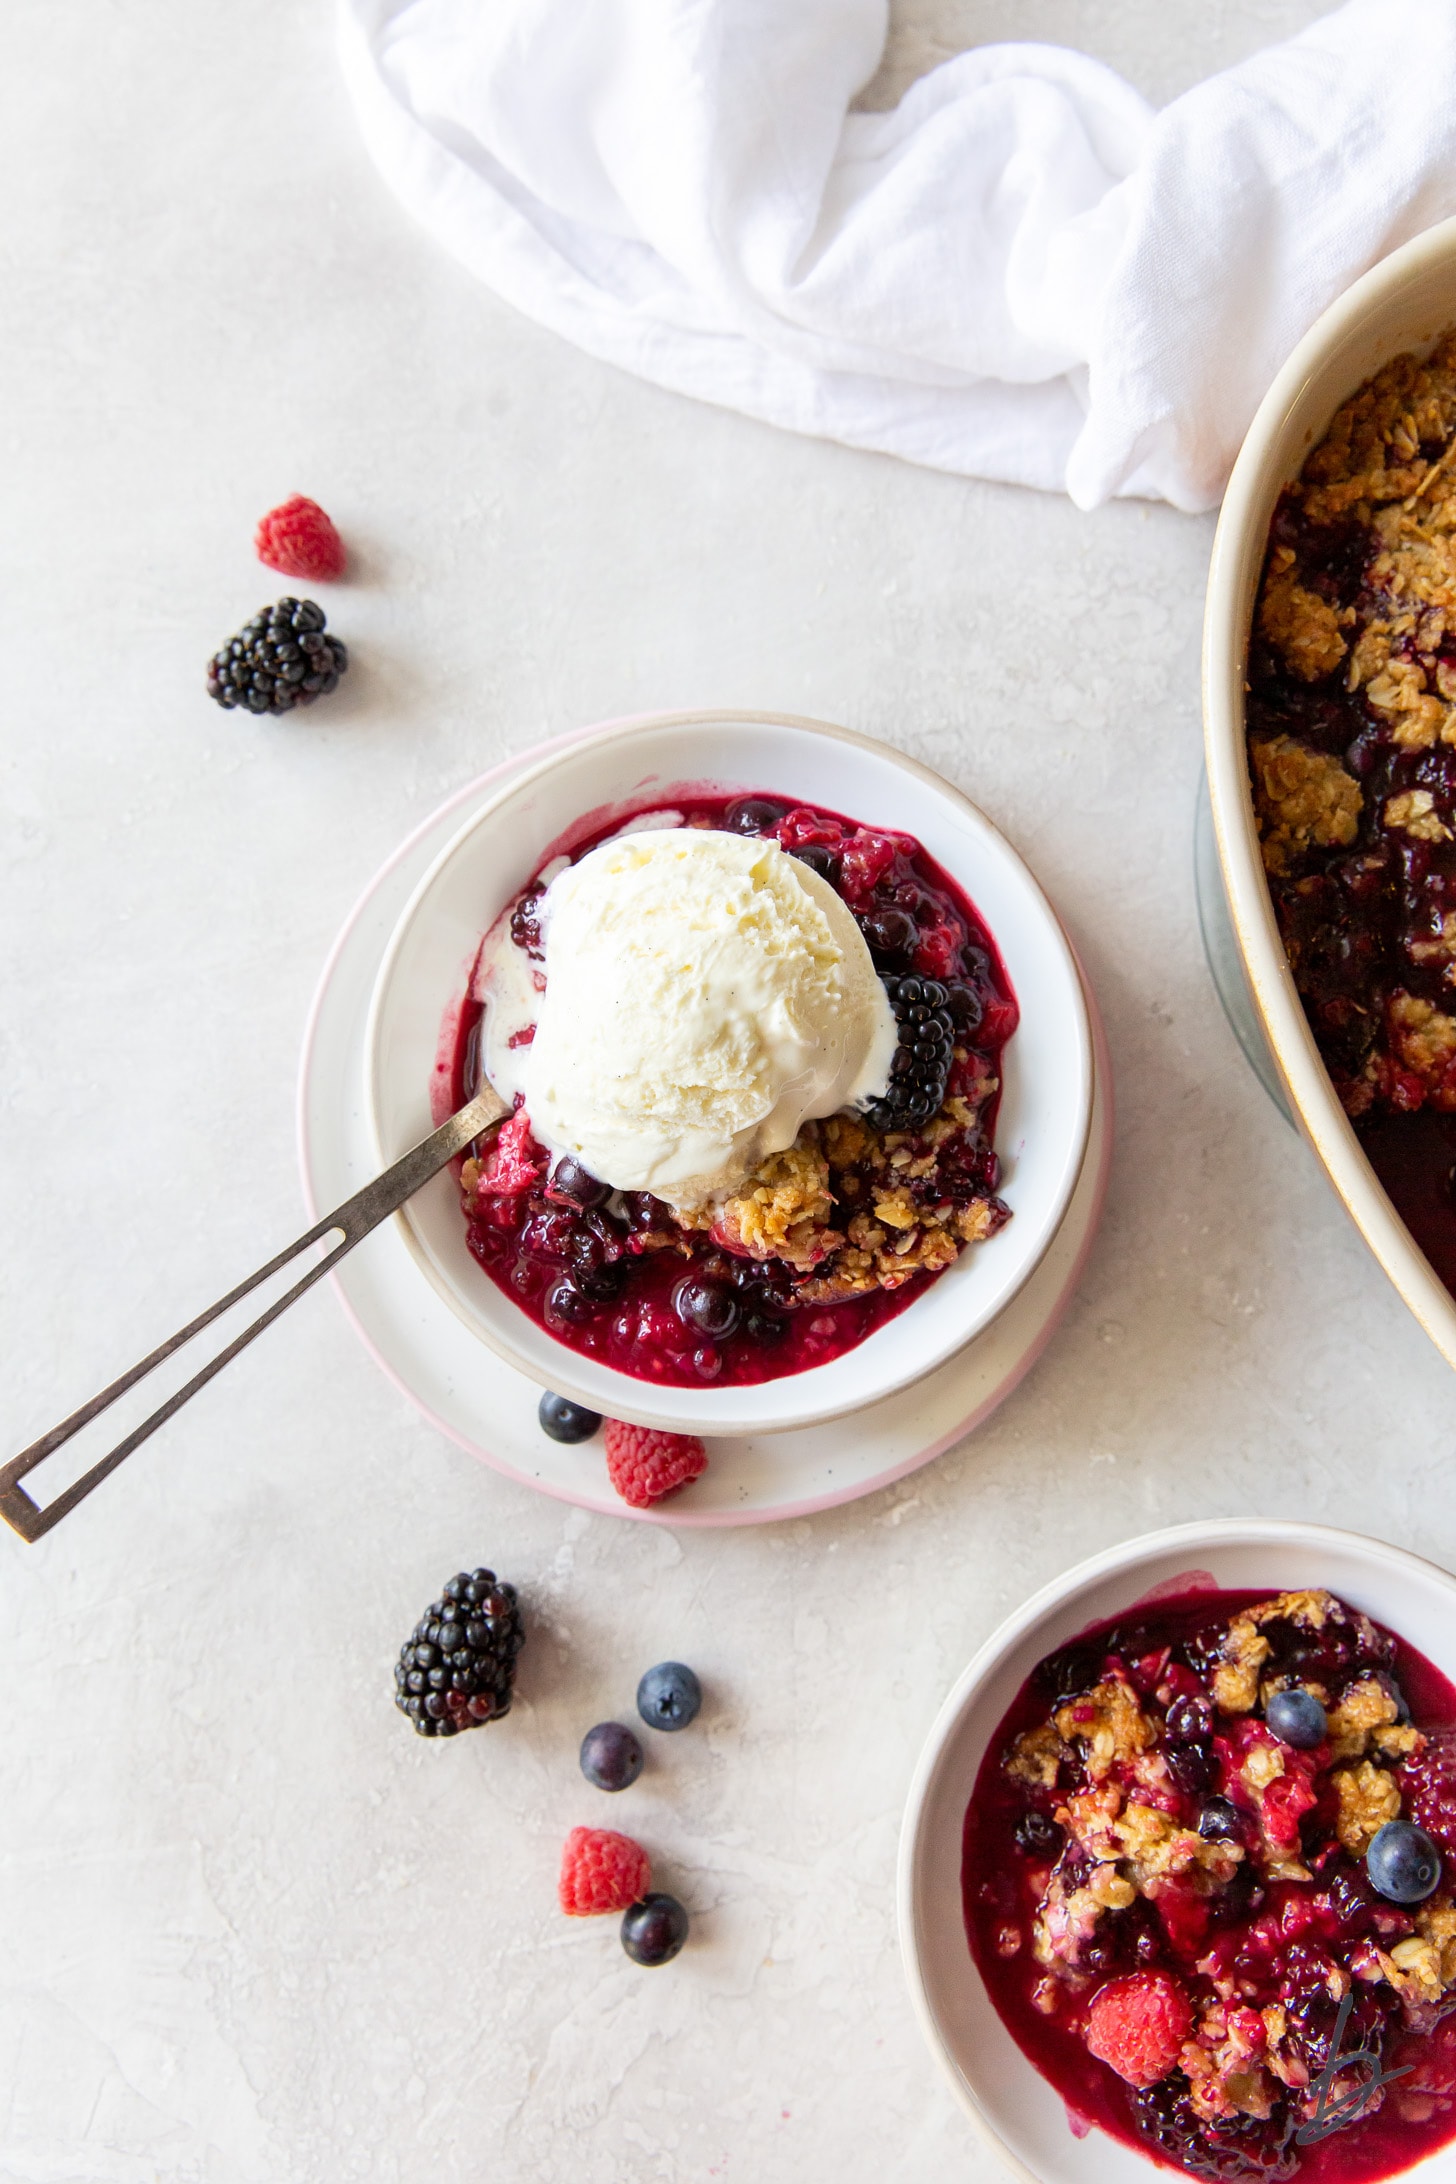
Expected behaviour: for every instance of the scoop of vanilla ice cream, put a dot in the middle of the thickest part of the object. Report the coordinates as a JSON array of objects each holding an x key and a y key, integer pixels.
[{"x": 705, "y": 994}]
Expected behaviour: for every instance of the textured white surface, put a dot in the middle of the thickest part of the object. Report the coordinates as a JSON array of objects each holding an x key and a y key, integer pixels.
[{"x": 250, "y": 1929}]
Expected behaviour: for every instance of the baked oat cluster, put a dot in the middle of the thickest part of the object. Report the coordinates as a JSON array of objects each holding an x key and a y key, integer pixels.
[
  {"x": 852, "y": 1209},
  {"x": 1190, "y": 1891},
  {"x": 1352, "y": 737}
]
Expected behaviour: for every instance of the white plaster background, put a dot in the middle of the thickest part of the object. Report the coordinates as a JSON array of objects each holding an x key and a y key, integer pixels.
[{"x": 251, "y": 1930}]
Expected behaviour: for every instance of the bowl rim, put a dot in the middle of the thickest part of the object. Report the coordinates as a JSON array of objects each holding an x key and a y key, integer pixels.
[
  {"x": 1125, "y": 1556},
  {"x": 1235, "y": 563},
  {"x": 1081, "y": 1055}
]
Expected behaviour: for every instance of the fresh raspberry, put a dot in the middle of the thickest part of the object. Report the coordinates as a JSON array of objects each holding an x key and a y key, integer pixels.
[
  {"x": 643, "y": 1464},
  {"x": 298, "y": 539},
  {"x": 601, "y": 1871},
  {"x": 1137, "y": 2026}
]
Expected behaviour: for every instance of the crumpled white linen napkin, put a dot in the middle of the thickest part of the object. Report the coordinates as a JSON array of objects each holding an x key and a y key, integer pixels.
[{"x": 1022, "y": 273}]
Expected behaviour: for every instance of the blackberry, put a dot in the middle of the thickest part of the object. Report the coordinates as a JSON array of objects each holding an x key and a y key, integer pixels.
[
  {"x": 922, "y": 1063},
  {"x": 457, "y": 1666},
  {"x": 526, "y": 924},
  {"x": 280, "y": 659}
]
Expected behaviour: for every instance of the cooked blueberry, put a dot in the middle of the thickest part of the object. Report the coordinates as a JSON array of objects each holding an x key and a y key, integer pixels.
[
  {"x": 566, "y": 1421},
  {"x": 1219, "y": 1822},
  {"x": 1191, "y": 1766},
  {"x": 818, "y": 859},
  {"x": 566, "y": 1301},
  {"x": 753, "y": 815},
  {"x": 1038, "y": 1835},
  {"x": 611, "y": 1757},
  {"x": 602, "y": 1282},
  {"x": 1190, "y": 1720},
  {"x": 889, "y": 932},
  {"x": 706, "y": 1304},
  {"x": 765, "y": 1327},
  {"x": 655, "y": 1929},
  {"x": 668, "y": 1697},
  {"x": 1296, "y": 1718},
  {"x": 576, "y": 1184},
  {"x": 1403, "y": 1862}
]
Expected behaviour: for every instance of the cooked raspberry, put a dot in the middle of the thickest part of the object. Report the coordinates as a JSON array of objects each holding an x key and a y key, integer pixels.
[
  {"x": 298, "y": 539},
  {"x": 938, "y": 951},
  {"x": 516, "y": 1163},
  {"x": 1428, "y": 1786},
  {"x": 1137, "y": 2026},
  {"x": 643, "y": 1464},
  {"x": 601, "y": 1871}
]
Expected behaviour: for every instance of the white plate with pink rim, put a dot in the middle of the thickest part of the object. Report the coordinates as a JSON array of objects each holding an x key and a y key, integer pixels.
[
  {"x": 486, "y": 1404},
  {"x": 1016, "y": 2110}
]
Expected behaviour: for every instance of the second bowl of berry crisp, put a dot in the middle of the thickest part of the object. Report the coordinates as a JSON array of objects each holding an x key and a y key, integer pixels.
[
  {"x": 850, "y": 1261},
  {"x": 1177, "y": 1866}
]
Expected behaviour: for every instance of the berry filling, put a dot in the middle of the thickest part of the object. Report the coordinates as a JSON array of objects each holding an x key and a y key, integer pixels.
[
  {"x": 825, "y": 1241},
  {"x": 1225, "y": 1939},
  {"x": 1352, "y": 754}
]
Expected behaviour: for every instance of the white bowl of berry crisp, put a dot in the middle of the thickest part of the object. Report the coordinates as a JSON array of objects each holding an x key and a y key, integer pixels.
[
  {"x": 1178, "y": 1870},
  {"x": 798, "y": 1057}
]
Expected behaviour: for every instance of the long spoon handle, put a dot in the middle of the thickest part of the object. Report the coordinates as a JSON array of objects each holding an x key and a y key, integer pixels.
[{"x": 355, "y": 1218}]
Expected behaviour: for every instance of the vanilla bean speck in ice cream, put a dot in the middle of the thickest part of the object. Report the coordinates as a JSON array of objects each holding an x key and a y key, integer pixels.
[{"x": 706, "y": 994}]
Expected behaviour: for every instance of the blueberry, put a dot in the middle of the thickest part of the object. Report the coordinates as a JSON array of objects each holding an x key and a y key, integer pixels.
[
  {"x": 819, "y": 859},
  {"x": 1403, "y": 1862},
  {"x": 655, "y": 1929},
  {"x": 1191, "y": 1766},
  {"x": 1038, "y": 1835},
  {"x": 669, "y": 1696},
  {"x": 576, "y": 1184},
  {"x": 1190, "y": 1720},
  {"x": 753, "y": 815},
  {"x": 611, "y": 1757},
  {"x": 706, "y": 1304},
  {"x": 889, "y": 932},
  {"x": 765, "y": 1327},
  {"x": 1296, "y": 1718},
  {"x": 565, "y": 1420},
  {"x": 601, "y": 1284},
  {"x": 567, "y": 1301},
  {"x": 1219, "y": 1821}
]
